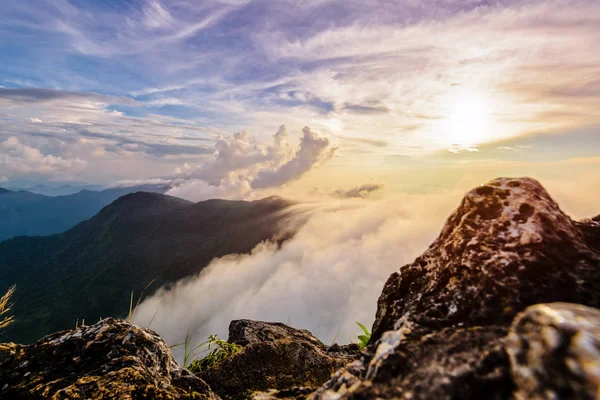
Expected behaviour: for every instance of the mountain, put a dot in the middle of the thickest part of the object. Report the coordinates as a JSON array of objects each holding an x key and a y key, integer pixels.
[
  {"x": 63, "y": 190},
  {"x": 90, "y": 271},
  {"x": 26, "y": 213}
]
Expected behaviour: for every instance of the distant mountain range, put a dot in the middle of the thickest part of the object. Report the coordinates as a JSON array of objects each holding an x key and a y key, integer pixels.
[
  {"x": 90, "y": 271},
  {"x": 63, "y": 190},
  {"x": 26, "y": 213}
]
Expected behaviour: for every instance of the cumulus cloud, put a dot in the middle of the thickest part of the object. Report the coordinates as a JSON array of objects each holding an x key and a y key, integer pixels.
[
  {"x": 20, "y": 159},
  {"x": 241, "y": 165},
  {"x": 312, "y": 151},
  {"x": 242, "y": 155},
  {"x": 327, "y": 276},
  {"x": 362, "y": 191}
]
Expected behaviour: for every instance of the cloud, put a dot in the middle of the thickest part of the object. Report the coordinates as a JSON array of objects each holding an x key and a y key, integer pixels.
[
  {"x": 17, "y": 159},
  {"x": 41, "y": 95},
  {"x": 362, "y": 191},
  {"x": 370, "y": 142},
  {"x": 155, "y": 16},
  {"x": 243, "y": 155},
  {"x": 323, "y": 279},
  {"x": 366, "y": 109},
  {"x": 242, "y": 167},
  {"x": 197, "y": 190},
  {"x": 312, "y": 151}
]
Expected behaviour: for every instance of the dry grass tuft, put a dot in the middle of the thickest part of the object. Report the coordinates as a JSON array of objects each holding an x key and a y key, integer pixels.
[{"x": 5, "y": 306}]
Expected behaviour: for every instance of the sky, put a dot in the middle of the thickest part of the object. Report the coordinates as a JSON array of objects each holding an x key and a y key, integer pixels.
[{"x": 245, "y": 98}]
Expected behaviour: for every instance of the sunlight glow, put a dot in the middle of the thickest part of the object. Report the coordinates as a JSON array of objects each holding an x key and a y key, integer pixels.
[{"x": 467, "y": 120}]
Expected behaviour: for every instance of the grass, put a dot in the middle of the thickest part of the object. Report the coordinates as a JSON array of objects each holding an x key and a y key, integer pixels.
[
  {"x": 5, "y": 306},
  {"x": 363, "y": 340},
  {"x": 217, "y": 350},
  {"x": 133, "y": 309}
]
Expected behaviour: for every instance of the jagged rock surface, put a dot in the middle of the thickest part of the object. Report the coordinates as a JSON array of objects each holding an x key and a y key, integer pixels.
[
  {"x": 275, "y": 356},
  {"x": 440, "y": 325},
  {"x": 555, "y": 352},
  {"x": 590, "y": 227},
  {"x": 111, "y": 359},
  {"x": 506, "y": 247},
  {"x": 450, "y": 364}
]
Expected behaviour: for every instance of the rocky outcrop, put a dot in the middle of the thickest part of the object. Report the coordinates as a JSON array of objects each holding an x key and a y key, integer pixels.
[
  {"x": 108, "y": 360},
  {"x": 441, "y": 321},
  {"x": 507, "y": 246},
  {"x": 450, "y": 364},
  {"x": 275, "y": 356},
  {"x": 554, "y": 352}
]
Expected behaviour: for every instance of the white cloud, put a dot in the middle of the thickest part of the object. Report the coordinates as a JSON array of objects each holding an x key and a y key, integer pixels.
[
  {"x": 17, "y": 159},
  {"x": 312, "y": 151},
  {"x": 35, "y": 120},
  {"x": 155, "y": 16},
  {"x": 242, "y": 167},
  {"x": 325, "y": 278}
]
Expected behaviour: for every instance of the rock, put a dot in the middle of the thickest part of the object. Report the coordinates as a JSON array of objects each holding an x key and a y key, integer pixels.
[
  {"x": 450, "y": 364},
  {"x": 275, "y": 356},
  {"x": 299, "y": 393},
  {"x": 506, "y": 247},
  {"x": 554, "y": 352},
  {"x": 590, "y": 227},
  {"x": 441, "y": 321},
  {"x": 111, "y": 359}
]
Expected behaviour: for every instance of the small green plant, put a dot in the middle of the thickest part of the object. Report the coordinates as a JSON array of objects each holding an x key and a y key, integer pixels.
[
  {"x": 363, "y": 340},
  {"x": 336, "y": 336},
  {"x": 217, "y": 351},
  {"x": 5, "y": 306}
]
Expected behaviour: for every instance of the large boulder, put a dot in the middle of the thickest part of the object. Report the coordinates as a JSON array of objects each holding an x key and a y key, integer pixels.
[
  {"x": 441, "y": 323},
  {"x": 554, "y": 352},
  {"x": 507, "y": 246},
  {"x": 450, "y": 364},
  {"x": 108, "y": 360},
  {"x": 275, "y": 356}
]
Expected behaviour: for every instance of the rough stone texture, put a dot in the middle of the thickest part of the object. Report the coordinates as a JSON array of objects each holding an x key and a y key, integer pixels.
[
  {"x": 111, "y": 359},
  {"x": 554, "y": 352},
  {"x": 507, "y": 246},
  {"x": 590, "y": 227},
  {"x": 299, "y": 393},
  {"x": 441, "y": 321},
  {"x": 275, "y": 356},
  {"x": 450, "y": 364}
]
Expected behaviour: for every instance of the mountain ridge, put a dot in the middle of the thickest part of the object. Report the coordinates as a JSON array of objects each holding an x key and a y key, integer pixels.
[
  {"x": 90, "y": 270},
  {"x": 25, "y": 213}
]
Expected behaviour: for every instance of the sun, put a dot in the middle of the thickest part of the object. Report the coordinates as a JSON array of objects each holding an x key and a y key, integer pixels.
[{"x": 466, "y": 121}]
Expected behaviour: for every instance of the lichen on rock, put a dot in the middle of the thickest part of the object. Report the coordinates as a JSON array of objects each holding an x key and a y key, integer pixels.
[
  {"x": 275, "y": 356},
  {"x": 107, "y": 360},
  {"x": 554, "y": 352},
  {"x": 506, "y": 247},
  {"x": 441, "y": 321}
]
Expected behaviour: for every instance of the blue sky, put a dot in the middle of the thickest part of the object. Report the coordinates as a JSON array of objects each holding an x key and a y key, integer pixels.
[{"x": 131, "y": 90}]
